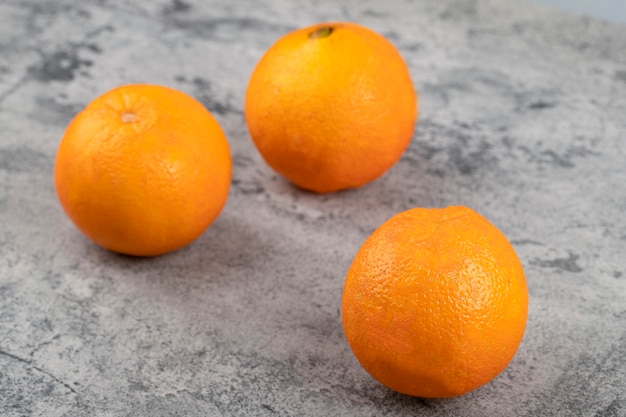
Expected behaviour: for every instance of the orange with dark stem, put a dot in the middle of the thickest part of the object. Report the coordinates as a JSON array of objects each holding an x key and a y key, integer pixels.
[{"x": 331, "y": 106}]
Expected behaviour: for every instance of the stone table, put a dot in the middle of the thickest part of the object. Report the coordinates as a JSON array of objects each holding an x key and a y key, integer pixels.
[{"x": 523, "y": 118}]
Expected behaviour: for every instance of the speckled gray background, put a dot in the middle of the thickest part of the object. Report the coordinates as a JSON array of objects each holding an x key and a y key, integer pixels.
[{"x": 523, "y": 118}]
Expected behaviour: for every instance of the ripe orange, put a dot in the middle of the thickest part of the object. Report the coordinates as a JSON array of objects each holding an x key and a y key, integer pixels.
[
  {"x": 143, "y": 170},
  {"x": 435, "y": 302},
  {"x": 331, "y": 106}
]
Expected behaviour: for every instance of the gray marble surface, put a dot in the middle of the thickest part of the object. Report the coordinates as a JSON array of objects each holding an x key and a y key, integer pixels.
[
  {"x": 523, "y": 118},
  {"x": 611, "y": 10}
]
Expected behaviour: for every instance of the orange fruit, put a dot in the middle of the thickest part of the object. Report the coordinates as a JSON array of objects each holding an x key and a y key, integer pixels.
[
  {"x": 143, "y": 170},
  {"x": 435, "y": 302},
  {"x": 331, "y": 106}
]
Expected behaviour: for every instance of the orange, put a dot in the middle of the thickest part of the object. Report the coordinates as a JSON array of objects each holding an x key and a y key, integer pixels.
[
  {"x": 143, "y": 170},
  {"x": 435, "y": 302},
  {"x": 331, "y": 106}
]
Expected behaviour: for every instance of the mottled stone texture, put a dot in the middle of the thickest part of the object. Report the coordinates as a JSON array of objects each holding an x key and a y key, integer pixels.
[{"x": 523, "y": 118}]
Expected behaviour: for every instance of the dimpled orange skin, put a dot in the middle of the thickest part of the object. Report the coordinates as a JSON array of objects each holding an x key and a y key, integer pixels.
[
  {"x": 143, "y": 170},
  {"x": 331, "y": 109},
  {"x": 435, "y": 302}
]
